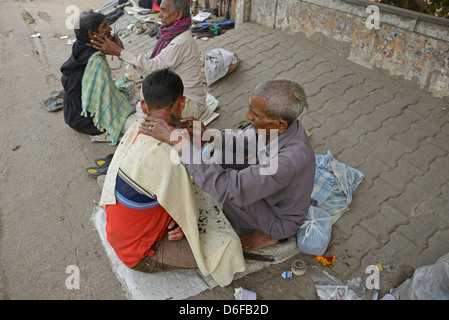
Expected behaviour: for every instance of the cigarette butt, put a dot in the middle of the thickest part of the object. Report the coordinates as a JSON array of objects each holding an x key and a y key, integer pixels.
[{"x": 15, "y": 148}]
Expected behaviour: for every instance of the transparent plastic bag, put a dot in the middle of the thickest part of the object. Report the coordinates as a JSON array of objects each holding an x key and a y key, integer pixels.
[
  {"x": 314, "y": 235},
  {"x": 428, "y": 283}
]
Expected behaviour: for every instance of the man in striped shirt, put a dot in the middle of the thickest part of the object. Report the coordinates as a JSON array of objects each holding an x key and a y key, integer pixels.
[{"x": 176, "y": 50}]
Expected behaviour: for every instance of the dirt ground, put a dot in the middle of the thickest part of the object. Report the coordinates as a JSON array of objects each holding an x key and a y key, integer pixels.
[{"x": 46, "y": 198}]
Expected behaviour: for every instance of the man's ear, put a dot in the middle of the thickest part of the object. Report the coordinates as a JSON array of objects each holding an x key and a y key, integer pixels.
[
  {"x": 283, "y": 125},
  {"x": 91, "y": 34},
  {"x": 182, "y": 103},
  {"x": 178, "y": 15},
  {"x": 144, "y": 106}
]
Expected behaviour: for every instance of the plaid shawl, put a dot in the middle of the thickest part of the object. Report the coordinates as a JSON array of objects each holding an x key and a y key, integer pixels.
[
  {"x": 169, "y": 33},
  {"x": 102, "y": 100}
]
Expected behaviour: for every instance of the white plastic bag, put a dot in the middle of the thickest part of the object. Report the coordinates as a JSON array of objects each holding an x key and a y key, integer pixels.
[
  {"x": 429, "y": 282},
  {"x": 314, "y": 235}
]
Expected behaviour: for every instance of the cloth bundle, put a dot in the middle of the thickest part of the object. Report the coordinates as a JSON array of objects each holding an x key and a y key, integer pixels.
[{"x": 217, "y": 64}]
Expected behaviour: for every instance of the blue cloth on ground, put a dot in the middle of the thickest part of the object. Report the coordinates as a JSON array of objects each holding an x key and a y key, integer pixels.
[{"x": 334, "y": 184}]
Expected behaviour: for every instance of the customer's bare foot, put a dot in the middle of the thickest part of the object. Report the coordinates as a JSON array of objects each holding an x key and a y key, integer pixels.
[{"x": 256, "y": 240}]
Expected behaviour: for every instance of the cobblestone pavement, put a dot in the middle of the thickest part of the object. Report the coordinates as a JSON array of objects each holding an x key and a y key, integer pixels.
[{"x": 395, "y": 134}]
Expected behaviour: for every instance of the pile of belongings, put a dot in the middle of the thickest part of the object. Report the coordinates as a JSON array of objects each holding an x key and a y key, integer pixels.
[{"x": 211, "y": 26}]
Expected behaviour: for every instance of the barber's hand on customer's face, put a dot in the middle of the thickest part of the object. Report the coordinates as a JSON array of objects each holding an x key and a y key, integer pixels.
[
  {"x": 106, "y": 46},
  {"x": 175, "y": 232},
  {"x": 157, "y": 128},
  {"x": 161, "y": 130}
]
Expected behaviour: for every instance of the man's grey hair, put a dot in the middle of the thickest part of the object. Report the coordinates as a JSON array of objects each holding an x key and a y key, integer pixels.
[
  {"x": 285, "y": 98},
  {"x": 183, "y": 5}
]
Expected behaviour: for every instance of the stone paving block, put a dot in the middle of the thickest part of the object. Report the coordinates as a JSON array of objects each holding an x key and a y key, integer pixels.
[
  {"x": 383, "y": 223},
  {"x": 438, "y": 246},
  {"x": 339, "y": 142},
  {"x": 437, "y": 206},
  {"x": 347, "y": 82},
  {"x": 402, "y": 174},
  {"x": 437, "y": 118},
  {"x": 317, "y": 101},
  {"x": 372, "y": 168},
  {"x": 441, "y": 139},
  {"x": 421, "y": 228},
  {"x": 424, "y": 155},
  {"x": 360, "y": 151},
  {"x": 307, "y": 122},
  {"x": 391, "y": 153},
  {"x": 416, "y": 132},
  {"x": 394, "y": 126},
  {"x": 409, "y": 199},
  {"x": 434, "y": 179}
]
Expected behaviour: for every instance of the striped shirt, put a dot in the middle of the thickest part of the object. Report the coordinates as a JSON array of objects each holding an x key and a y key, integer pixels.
[{"x": 180, "y": 56}]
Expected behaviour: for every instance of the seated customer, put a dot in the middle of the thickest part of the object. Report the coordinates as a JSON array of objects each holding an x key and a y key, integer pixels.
[
  {"x": 152, "y": 207},
  {"x": 176, "y": 50},
  {"x": 92, "y": 102}
]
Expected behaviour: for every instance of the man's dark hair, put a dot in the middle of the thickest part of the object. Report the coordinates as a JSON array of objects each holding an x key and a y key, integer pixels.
[
  {"x": 88, "y": 20},
  {"x": 161, "y": 89}
]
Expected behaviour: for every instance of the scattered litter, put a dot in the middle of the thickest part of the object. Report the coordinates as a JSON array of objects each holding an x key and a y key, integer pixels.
[
  {"x": 329, "y": 287},
  {"x": 71, "y": 42},
  {"x": 64, "y": 37},
  {"x": 287, "y": 274},
  {"x": 28, "y": 18},
  {"x": 379, "y": 266},
  {"x": 243, "y": 294},
  {"x": 37, "y": 35},
  {"x": 15, "y": 148}
]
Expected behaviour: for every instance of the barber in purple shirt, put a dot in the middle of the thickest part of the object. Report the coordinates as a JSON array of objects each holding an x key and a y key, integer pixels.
[{"x": 267, "y": 186}]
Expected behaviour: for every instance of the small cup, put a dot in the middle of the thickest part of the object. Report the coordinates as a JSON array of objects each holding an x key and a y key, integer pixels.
[{"x": 299, "y": 267}]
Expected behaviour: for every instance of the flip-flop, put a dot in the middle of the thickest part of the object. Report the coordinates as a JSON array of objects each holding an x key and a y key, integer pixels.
[
  {"x": 52, "y": 104},
  {"x": 97, "y": 171},
  {"x": 57, "y": 94},
  {"x": 102, "y": 161}
]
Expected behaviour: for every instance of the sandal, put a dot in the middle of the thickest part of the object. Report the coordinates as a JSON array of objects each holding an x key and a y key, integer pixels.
[
  {"x": 97, "y": 171},
  {"x": 52, "y": 104},
  {"x": 106, "y": 160}
]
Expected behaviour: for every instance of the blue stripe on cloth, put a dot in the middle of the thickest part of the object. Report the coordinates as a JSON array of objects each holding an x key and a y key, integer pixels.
[{"x": 135, "y": 205}]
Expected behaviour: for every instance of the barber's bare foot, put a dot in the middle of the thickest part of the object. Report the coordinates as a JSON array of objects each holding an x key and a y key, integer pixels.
[{"x": 256, "y": 240}]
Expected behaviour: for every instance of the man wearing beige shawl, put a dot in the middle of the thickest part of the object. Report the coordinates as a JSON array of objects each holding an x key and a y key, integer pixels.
[{"x": 156, "y": 218}]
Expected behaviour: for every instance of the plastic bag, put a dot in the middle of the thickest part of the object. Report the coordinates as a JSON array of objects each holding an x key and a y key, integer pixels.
[
  {"x": 428, "y": 283},
  {"x": 314, "y": 235},
  {"x": 329, "y": 287}
]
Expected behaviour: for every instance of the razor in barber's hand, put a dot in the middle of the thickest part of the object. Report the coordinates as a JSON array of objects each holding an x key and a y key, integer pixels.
[{"x": 178, "y": 122}]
